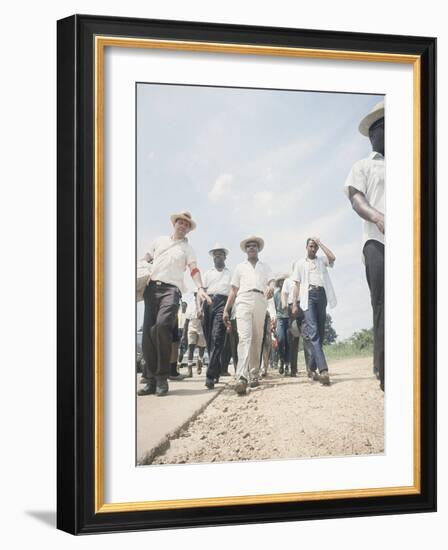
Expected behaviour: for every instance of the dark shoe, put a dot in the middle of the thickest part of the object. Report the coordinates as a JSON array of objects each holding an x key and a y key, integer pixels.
[
  {"x": 190, "y": 372},
  {"x": 293, "y": 374},
  {"x": 286, "y": 370},
  {"x": 281, "y": 370},
  {"x": 177, "y": 376},
  {"x": 210, "y": 383},
  {"x": 324, "y": 378},
  {"x": 314, "y": 375},
  {"x": 162, "y": 387},
  {"x": 254, "y": 384},
  {"x": 199, "y": 367},
  {"x": 149, "y": 389},
  {"x": 241, "y": 386}
]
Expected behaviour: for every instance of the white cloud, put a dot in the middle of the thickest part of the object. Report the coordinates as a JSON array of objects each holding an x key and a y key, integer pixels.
[{"x": 221, "y": 188}]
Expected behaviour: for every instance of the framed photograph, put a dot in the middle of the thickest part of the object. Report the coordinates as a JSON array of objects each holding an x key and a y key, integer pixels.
[{"x": 246, "y": 310}]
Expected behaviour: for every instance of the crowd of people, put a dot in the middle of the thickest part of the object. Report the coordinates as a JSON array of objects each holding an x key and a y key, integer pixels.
[{"x": 234, "y": 314}]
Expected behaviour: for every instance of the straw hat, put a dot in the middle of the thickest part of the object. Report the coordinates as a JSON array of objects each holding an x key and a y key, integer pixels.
[
  {"x": 183, "y": 216},
  {"x": 375, "y": 114},
  {"x": 218, "y": 246},
  {"x": 252, "y": 238}
]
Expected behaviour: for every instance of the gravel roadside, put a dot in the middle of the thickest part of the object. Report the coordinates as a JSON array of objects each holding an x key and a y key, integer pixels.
[{"x": 288, "y": 418}]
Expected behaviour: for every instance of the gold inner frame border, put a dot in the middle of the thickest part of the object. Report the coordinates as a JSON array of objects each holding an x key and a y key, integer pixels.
[{"x": 100, "y": 43}]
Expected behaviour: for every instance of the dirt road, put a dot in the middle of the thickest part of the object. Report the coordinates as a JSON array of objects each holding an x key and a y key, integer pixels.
[{"x": 288, "y": 418}]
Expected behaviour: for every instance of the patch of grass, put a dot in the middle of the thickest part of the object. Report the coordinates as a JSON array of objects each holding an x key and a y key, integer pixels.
[{"x": 341, "y": 350}]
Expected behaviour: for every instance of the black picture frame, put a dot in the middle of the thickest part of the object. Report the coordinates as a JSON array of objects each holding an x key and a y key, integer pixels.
[{"x": 77, "y": 511}]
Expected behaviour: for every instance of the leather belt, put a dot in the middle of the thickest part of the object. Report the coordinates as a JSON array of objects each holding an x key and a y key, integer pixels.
[
  {"x": 161, "y": 283},
  {"x": 256, "y": 290}
]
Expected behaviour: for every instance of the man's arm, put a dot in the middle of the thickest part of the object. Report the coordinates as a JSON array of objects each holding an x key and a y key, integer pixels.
[
  {"x": 284, "y": 295},
  {"x": 295, "y": 298},
  {"x": 185, "y": 331},
  {"x": 229, "y": 304},
  {"x": 328, "y": 253},
  {"x": 199, "y": 303},
  {"x": 362, "y": 207},
  {"x": 269, "y": 292}
]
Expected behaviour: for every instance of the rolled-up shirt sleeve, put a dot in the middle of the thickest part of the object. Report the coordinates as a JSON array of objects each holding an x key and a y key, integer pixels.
[
  {"x": 236, "y": 278},
  {"x": 356, "y": 179},
  {"x": 191, "y": 255}
]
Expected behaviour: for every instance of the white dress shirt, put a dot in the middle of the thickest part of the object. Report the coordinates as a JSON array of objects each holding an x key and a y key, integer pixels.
[
  {"x": 247, "y": 277},
  {"x": 217, "y": 282},
  {"x": 288, "y": 289},
  {"x": 301, "y": 275},
  {"x": 170, "y": 260},
  {"x": 367, "y": 176}
]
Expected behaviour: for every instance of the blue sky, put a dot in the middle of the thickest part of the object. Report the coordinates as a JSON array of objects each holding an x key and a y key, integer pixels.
[{"x": 265, "y": 162}]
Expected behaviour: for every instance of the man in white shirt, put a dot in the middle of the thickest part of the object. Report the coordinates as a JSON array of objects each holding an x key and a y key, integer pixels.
[
  {"x": 314, "y": 290},
  {"x": 170, "y": 257},
  {"x": 217, "y": 284},
  {"x": 252, "y": 284},
  {"x": 365, "y": 189}
]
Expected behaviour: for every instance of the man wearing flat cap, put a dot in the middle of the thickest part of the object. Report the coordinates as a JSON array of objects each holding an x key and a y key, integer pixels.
[
  {"x": 170, "y": 256},
  {"x": 252, "y": 284},
  {"x": 365, "y": 189},
  {"x": 217, "y": 284}
]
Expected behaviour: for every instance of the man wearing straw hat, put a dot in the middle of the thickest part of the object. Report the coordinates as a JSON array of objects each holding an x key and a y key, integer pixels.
[
  {"x": 217, "y": 284},
  {"x": 170, "y": 255},
  {"x": 365, "y": 189},
  {"x": 252, "y": 284}
]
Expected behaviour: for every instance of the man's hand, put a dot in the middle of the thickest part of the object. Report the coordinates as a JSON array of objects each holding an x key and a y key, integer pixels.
[
  {"x": 204, "y": 296},
  {"x": 294, "y": 310},
  {"x": 269, "y": 292},
  {"x": 380, "y": 222},
  {"x": 226, "y": 319},
  {"x": 316, "y": 240}
]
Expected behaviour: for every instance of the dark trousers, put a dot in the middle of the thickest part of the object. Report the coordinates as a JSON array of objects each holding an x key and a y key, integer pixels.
[
  {"x": 282, "y": 338},
  {"x": 314, "y": 328},
  {"x": 230, "y": 347},
  {"x": 374, "y": 259},
  {"x": 161, "y": 307},
  {"x": 295, "y": 340},
  {"x": 215, "y": 333}
]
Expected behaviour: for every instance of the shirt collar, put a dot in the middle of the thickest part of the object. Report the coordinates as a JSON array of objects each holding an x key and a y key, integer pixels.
[
  {"x": 375, "y": 155},
  {"x": 184, "y": 240}
]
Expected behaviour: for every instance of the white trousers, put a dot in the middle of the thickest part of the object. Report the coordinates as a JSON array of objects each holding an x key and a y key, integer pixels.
[{"x": 250, "y": 314}]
